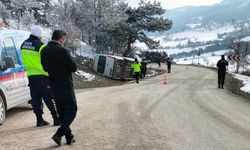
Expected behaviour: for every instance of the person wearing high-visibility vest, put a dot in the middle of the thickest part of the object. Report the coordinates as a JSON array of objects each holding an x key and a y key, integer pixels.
[
  {"x": 136, "y": 66},
  {"x": 38, "y": 78}
]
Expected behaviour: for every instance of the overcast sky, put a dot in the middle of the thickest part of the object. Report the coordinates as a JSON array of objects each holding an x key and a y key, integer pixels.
[{"x": 170, "y": 4}]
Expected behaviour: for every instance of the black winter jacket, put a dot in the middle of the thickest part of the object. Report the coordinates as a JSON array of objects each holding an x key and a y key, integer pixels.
[
  {"x": 222, "y": 65},
  {"x": 56, "y": 60}
]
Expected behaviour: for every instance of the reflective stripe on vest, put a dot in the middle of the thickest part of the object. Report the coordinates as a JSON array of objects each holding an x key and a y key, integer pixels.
[{"x": 41, "y": 48}]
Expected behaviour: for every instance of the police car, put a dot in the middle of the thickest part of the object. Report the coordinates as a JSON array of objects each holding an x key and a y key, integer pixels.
[{"x": 14, "y": 88}]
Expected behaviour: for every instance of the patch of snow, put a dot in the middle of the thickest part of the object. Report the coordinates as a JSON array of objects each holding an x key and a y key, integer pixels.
[
  {"x": 246, "y": 82},
  {"x": 193, "y": 25},
  {"x": 203, "y": 34},
  {"x": 86, "y": 76},
  {"x": 246, "y": 39}
]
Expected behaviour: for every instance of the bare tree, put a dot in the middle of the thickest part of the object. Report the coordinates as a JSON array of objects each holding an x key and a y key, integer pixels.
[
  {"x": 63, "y": 17},
  {"x": 240, "y": 48}
]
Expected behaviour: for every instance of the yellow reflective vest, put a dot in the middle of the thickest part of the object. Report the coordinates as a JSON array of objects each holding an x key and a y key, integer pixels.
[
  {"x": 30, "y": 53},
  {"x": 136, "y": 67}
]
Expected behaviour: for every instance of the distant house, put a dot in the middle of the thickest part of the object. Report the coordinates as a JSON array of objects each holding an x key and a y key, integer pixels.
[{"x": 115, "y": 67}]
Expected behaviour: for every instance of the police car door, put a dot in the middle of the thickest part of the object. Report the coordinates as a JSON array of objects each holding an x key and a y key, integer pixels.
[{"x": 13, "y": 76}]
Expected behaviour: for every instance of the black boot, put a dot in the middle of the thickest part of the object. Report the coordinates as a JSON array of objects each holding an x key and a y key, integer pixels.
[
  {"x": 70, "y": 139},
  {"x": 219, "y": 86},
  {"x": 57, "y": 139},
  {"x": 40, "y": 121}
]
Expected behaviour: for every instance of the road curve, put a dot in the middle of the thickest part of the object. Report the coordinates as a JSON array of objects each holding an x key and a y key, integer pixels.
[{"x": 189, "y": 113}]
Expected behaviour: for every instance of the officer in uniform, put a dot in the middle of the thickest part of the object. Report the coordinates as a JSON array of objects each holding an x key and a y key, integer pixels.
[
  {"x": 38, "y": 78},
  {"x": 221, "y": 64},
  {"x": 136, "y": 66}
]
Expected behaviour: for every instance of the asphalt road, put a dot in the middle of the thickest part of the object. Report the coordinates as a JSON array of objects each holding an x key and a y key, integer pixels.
[{"x": 189, "y": 113}]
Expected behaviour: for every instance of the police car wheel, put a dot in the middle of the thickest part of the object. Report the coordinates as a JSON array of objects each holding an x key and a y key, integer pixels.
[{"x": 2, "y": 111}]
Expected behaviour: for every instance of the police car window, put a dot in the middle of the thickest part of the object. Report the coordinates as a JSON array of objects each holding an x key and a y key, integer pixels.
[{"x": 9, "y": 49}]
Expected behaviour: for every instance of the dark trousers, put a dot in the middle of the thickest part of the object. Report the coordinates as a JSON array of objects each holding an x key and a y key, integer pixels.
[
  {"x": 221, "y": 78},
  {"x": 40, "y": 89},
  {"x": 67, "y": 108},
  {"x": 137, "y": 76},
  {"x": 169, "y": 69},
  {"x": 143, "y": 73}
]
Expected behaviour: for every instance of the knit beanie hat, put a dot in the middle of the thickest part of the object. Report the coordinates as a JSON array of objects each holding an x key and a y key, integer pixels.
[{"x": 37, "y": 31}]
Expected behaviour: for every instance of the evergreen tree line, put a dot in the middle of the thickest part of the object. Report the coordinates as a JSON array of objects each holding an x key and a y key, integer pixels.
[
  {"x": 111, "y": 26},
  {"x": 153, "y": 56}
]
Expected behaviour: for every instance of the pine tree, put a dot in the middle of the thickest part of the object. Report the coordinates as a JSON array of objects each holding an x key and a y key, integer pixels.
[
  {"x": 98, "y": 21},
  {"x": 145, "y": 18}
]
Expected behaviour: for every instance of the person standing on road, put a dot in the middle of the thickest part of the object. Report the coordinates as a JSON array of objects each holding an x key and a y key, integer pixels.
[
  {"x": 143, "y": 69},
  {"x": 38, "y": 78},
  {"x": 159, "y": 63},
  {"x": 221, "y": 65},
  {"x": 169, "y": 64},
  {"x": 56, "y": 60},
  {"x": 136, "y": 66}
]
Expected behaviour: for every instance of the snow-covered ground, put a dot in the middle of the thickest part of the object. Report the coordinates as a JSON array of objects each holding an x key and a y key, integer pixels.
[
  {"x": 207, "y": 59},
  {"x": 245, "y": 80},
  {"x": 86, "y": 51},
  {"x": 193, "y": 25},
  {"x": 202, "y": 34},
  {"x": 193, "y": 35},
  {"x": 86, "y": 76},
  {"x": 180, "y": 50}
]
